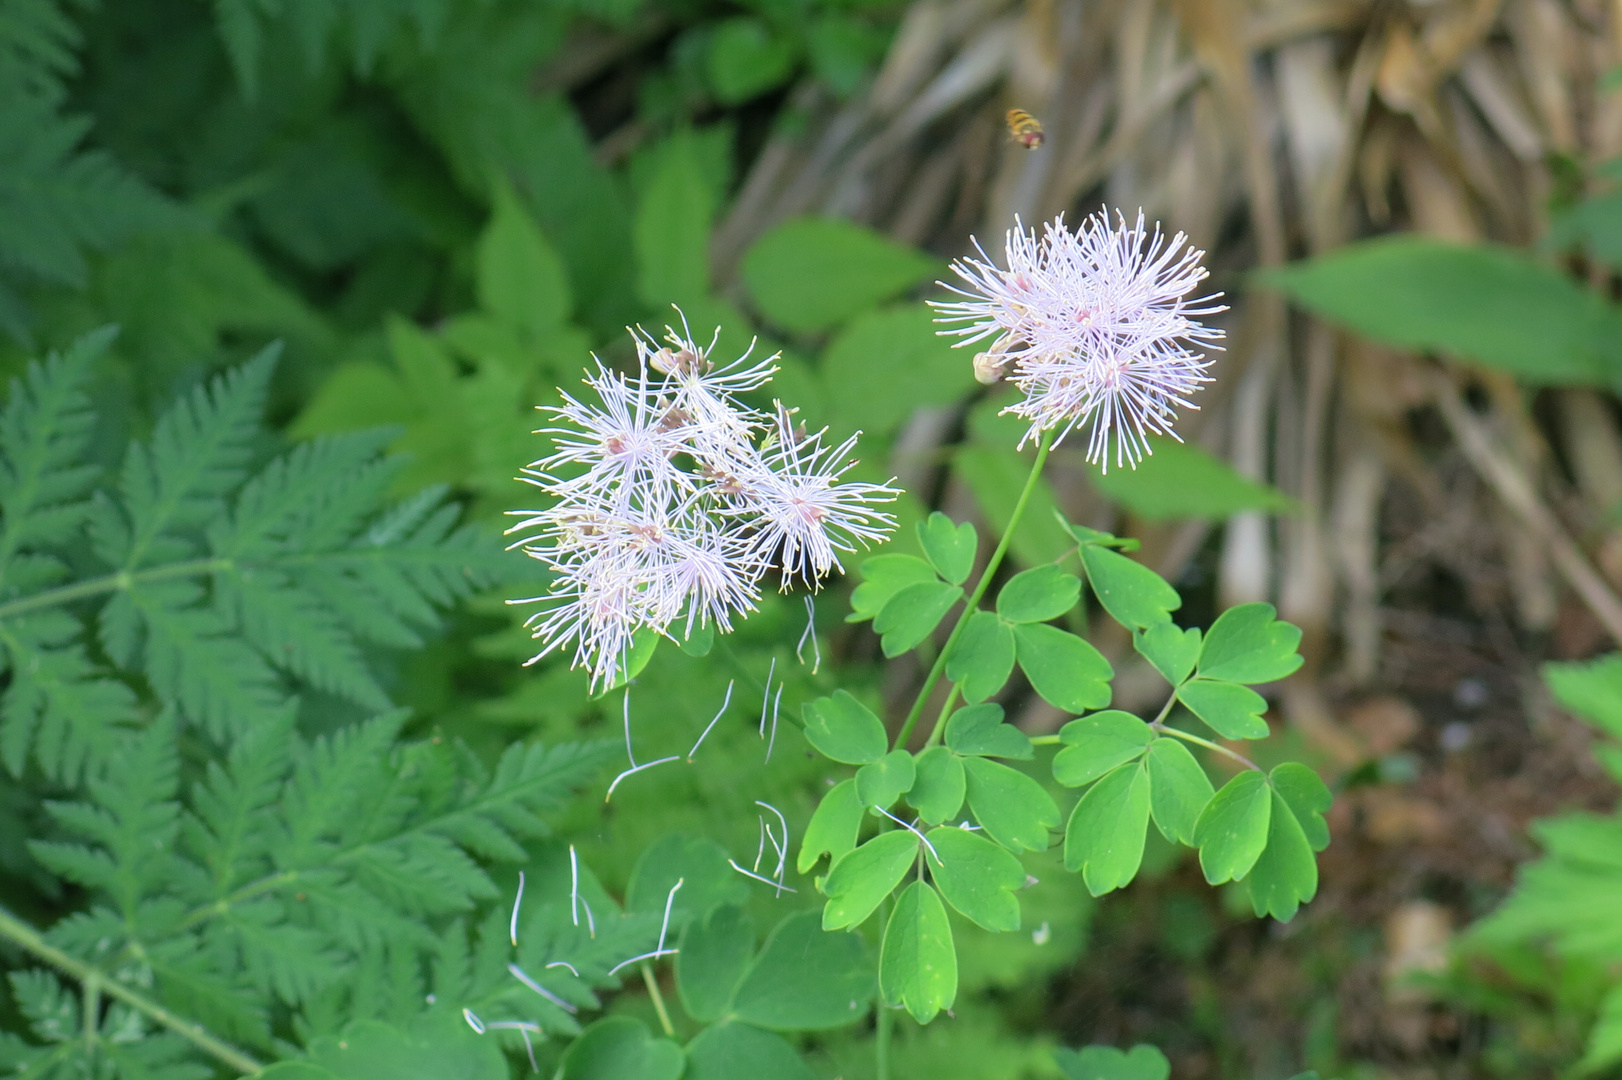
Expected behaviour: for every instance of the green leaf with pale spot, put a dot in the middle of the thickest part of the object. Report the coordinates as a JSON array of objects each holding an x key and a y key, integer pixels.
[
  {"x": 1015, "y": 810},
  {"x": 1286, "y": 874},
  {"x": 714, "y": 953},
  {"x": 1065, "y": 670},
  {"x": 918, "y": 961},
  {"x": 1172, "y": 650},
  {"x": 937, "y": 793},
  {"x": 1093, "y": 745},
  {"x": 621, "y": 1048},
  {"x": 844, "y": 729},
  {"x": 833, "y": 826},
  {"x": 912, "y": 614},
  {"x": 979, "y": 731},
  {"x": 886, "y": 780},
  {"x": 983, "y": 656},
  {"x": 1308, "y": 798},
  {"x": 948, "y": 546},
  {"x": 977, "y": 877},
  {"x": 734, "y": 1051},
  {"x": 1104, "y": 839},
  {"x": 882, "y": 577},
  {"x": 1038, "y": 594},
  {"x": 1178, "y": 789},
  {"x": 806, "y": 979},
  {"x": 861, "y": 880},
  {"x": 1247, "y": 644},
  {"x": 1232, "y": 829},
  {"x": 1134, "y": 595},
  {"x": 1231, "y": 710}
]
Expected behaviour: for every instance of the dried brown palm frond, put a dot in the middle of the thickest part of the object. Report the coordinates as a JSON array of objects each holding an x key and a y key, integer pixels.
[{"x": 1267, "y": 131}]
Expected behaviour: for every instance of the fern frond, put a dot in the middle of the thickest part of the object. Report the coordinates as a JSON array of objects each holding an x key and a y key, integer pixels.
[
  {"x": 58, "y": 693},
  {"x": 230, "y": 829},
  {"x": 528, "y": 781},
  {"x": 330, "y": 775},
  {"x": 293, "y": 962},
  {"x": 190, "y": 984}
]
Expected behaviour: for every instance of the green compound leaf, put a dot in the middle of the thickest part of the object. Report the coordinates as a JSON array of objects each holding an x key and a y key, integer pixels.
[
  {"x": 983, "y": 657},
  {"x": 918, "y": 962},
  {"x": 912, "y": 614},
  {"x": 937, "y": 793},
  {"x": 833, "y": 827},
  {"x": 1014, "y": 809},
  {"x": 1178, "y": 789},
  {"x": 979, "y": 731},
  {"x": 1247, "y": 644},
  {"x": 882, "y": 577},
  {"x": 1104, "y": 839},
  {"x": 861, "y": 880},
  {"x": 1068, "y": 672},
  {"x": 620, "y": 1048},
  {"x": 1037, "y": 595},
  {"x": 1098, "y": 743},
  {"x": 1308, "y": 798},
  {"x": 1286, "y": 874},
  {"x": 844, "y": 729},
  {"x": 1231, "y": 710},
  {"x": 977, "y": 877},
  {"x": 1142, "y": 1062},
  {"x": 811, "y": 273},
  {"x": 698, "y": 862},
  {"x": 1232, "y": 830},
  {"x": 806, "y": 979},
  {"x": 714, "y": 953},
  {"x": 1134, "y": 595},
  {"x": 1171, "y": 649},
  {"x": 698, "y": 643},
  {"x": 731, "y": 1050},
  {"x": 1085, "y": 537},
  {"x": 886, "y": 780},
  {"x": 950, "y": 547}
]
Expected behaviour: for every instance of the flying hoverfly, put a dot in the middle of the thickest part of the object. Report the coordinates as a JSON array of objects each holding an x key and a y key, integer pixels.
[{"x": 1025, "y": 128}]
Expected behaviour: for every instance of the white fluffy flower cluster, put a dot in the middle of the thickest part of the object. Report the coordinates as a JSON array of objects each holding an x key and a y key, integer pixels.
[
  {"x": 674, "y": 500},
  {"x": 1090, "y": 325}
]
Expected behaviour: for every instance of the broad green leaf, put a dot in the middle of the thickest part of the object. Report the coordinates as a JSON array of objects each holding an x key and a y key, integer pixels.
[
  {"x": 1592, "y": 690},
  {"x": 1231, "y": 710},
  {"x": 983, "y": 657},
  {"x": 1307, "y": 797},
  {"x": 1172, "y": 650},
  {"x": 1086, "y": 537},
  {"x": 1605, "y": 1039},
  {"x": 432, "y": 1046},
  {"x": 671, "y": 230},
  {"x": 844, "y": 729},
  {"x": 734, "y": 1051},
  {"x": 1247, "y": 644},
  {"x": 912, "y": 614},
  {"x": 882, "y": 577},
  {"x": 996, "y": 475},
  {"x": 833, "y": 826},
  {"x": 886, "y": 780},
  {"x": 696, "y": 644},
  {"x": 1177, "y": 480},
  {"x": 621, "y": 1048},
  {"x": 920, "y": 368},
  {"x": 918, "y": 962},
  {"x": 812, "y": 273},
  {"x": 1067, "y": 671},
  {"x": 714, "y": 953},
  {"x": 979, "y": 731},
  {"x": 1012, "y": 807},
  {"x": 1038, "y": 594},
  {"x": 643, "y": 645},
  {"x": 1286, "y": 874},
  {"x": 1143, "y": 1062},
  {"x": 806, "y": 978},
  {"x": 950, "y": 547},
  {"x": 937, "y": 793},
  {"x": 977, "y": 877},
  {"x": 1232, "y": 829},
  {"x": 746, "y": 59},
  {"x": 1489, "y": 304},
  {"x": 1134, "y": 595},
  {"x": 517, "y": 274},
  {"x": 1098, "y": 743},
  {"x": 1178, "y": 789},
  {"x": 1104, "y": 839},
  {"x": 861, "y": 879},
  {"x": 698, "y": 862}
]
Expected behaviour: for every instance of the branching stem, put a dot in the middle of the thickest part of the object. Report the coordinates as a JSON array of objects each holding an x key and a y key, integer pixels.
[
  {"x": 90, "y": 976},
  {"x": 121, "y": 581}
]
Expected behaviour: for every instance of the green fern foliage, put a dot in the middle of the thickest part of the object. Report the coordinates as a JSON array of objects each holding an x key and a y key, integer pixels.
[{"x": 216, "y": 579}]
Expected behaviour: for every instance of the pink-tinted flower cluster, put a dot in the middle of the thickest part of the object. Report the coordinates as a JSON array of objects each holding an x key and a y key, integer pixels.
[
  {"x": 1090, "y": 325},
  {"x": 673, "y": 500}
]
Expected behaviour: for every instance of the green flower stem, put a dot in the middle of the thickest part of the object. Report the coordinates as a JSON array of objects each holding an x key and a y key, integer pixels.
[
  {"x": 884, "y": 1016},
  {"x": 938, "y": 668},
  {"x": 658, "y": 1000},
  {"x": 1045, "y": 740},
  {"x": 88, "y": 975},
  {"x": 1207, "y": 743},
  {"x": 119, "y": 582},
  {"x": 939, "y": 729}
]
